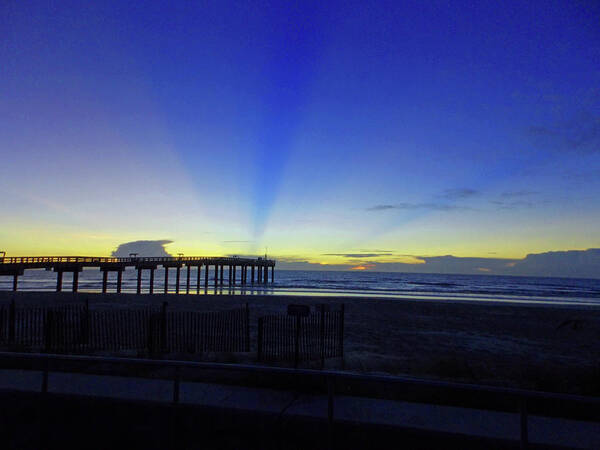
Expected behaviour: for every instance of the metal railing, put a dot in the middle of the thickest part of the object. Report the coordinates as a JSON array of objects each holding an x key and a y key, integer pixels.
[
  {"x": 328, "y": 383},
  {"x": 133, "y": 260}
]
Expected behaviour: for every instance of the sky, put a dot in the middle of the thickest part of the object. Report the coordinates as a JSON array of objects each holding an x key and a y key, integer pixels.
[{"x": 334, "y": 134}]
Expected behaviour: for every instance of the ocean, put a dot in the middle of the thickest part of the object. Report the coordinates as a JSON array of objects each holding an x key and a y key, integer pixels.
[{"x": 476, "y": 288}]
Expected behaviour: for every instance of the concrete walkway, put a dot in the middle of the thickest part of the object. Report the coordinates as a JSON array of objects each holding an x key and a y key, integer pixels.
[{"x": 471, "y": 422}]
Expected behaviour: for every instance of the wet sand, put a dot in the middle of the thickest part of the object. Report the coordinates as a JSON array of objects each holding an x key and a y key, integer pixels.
[{"x": 551, "y": 348}]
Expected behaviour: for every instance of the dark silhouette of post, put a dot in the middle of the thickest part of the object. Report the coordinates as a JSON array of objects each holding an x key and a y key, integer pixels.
[
  {"x": 234, "y": 273},
  {"x": 152, "y": 280},
  {"x": 104, "y": 281},
  {"x": 75, "y": 280},
  {"x": 252, "y": 275},
  {"x": 221, "y": 275},
  {"x": 216, "y": 274},
  {"x": 119, "y": 281},
  {"x": 15, "y": 282},
  {"x": 229, "y": 272},
  {"x": 272, "y": 274},
  {"x": 166, "y": 279},
  {"x": 139, "y": 281},
  {"x": 198, "y": 279},
  {"x": 187, "y": 280},
  {"x": 206, "y": 276},
  {"x": 177, "y": 277}
]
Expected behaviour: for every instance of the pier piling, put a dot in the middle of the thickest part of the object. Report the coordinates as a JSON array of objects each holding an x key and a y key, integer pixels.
[
  {"x": 166, "y": 279},
  {"x": 152, "y": 281}
]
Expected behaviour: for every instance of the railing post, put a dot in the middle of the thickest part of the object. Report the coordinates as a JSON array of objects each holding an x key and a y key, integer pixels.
[{"x": 524, "y": 430}]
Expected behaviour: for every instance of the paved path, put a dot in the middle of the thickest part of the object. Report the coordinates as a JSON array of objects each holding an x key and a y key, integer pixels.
[{"x": 542, "y": 430}]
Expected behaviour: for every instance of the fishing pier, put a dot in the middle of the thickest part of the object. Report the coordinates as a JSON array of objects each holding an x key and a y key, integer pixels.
[{"x": 240, "y": 270}]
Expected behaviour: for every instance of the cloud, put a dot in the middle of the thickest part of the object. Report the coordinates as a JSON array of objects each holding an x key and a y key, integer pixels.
[
  {"x": 521, "y": 193},
  {"x": 142, "y": 248},
  {"x": 357, "y": 255},
  {"x": 416, "y": 206},
  {"x": 580, "y": 133},
  {"x": 515, "y": 204},
  {"x": 459, "y": 194},
  {"x": 572, "y": 263},
  {"x": 376, "y": 251}
]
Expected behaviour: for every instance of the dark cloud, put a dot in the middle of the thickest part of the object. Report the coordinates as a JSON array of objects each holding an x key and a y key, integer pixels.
[
  {"x": 357, "y": 255},
  {"x": 522, "y": 193},
  {"x": 142, "y": 248},
  {"x": 572, "y": 263},
  {"x": 580, "y": 133},
  {"x": 376, "y": 251},
  {"x": 458, "y": 194},
  {"x": 512, "y": 204},
  {"x": 416, "y": 206}
]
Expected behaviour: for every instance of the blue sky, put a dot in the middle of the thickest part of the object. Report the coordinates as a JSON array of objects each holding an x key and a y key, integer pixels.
[{"x": 313, "y": 129}]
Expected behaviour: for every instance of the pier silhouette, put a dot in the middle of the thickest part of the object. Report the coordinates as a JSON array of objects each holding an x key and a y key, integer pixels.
[{"x": 15, "y": 266}]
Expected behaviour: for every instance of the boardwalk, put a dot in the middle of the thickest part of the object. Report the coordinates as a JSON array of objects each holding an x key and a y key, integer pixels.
[{"x": 250, "y": 270}]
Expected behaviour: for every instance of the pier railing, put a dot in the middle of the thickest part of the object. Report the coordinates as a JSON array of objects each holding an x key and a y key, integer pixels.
[{"x": 130, "y": 260}]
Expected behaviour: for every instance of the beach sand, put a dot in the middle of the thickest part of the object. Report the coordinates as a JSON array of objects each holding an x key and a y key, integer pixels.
[{"x": 549, "y": 348}]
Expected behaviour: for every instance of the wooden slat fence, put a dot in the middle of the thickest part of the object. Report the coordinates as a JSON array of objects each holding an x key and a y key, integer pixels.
[
  {"x": 79, "y": 329},
  {"x": 314, "y": 337}
]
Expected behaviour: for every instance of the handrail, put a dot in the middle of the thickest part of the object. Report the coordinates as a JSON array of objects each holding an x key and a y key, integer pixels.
[
  {"x": 368, "y": 386},
  {"x": 331, "y": 383}
]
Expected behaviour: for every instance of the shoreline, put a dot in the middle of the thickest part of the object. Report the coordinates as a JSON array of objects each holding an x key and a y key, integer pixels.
[{"x": 543, "y": 347}]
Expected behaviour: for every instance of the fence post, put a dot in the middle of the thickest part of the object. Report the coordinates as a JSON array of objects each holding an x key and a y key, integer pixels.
[
  {"x": 11, "y": 322},
  {"x": 163, "y": 328},
  {"x": 260, "y": 338},
  {"x": 247, "y": 325},
  {"x": 297, "y": 348},
  {"x": 322, "y": 336}
]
